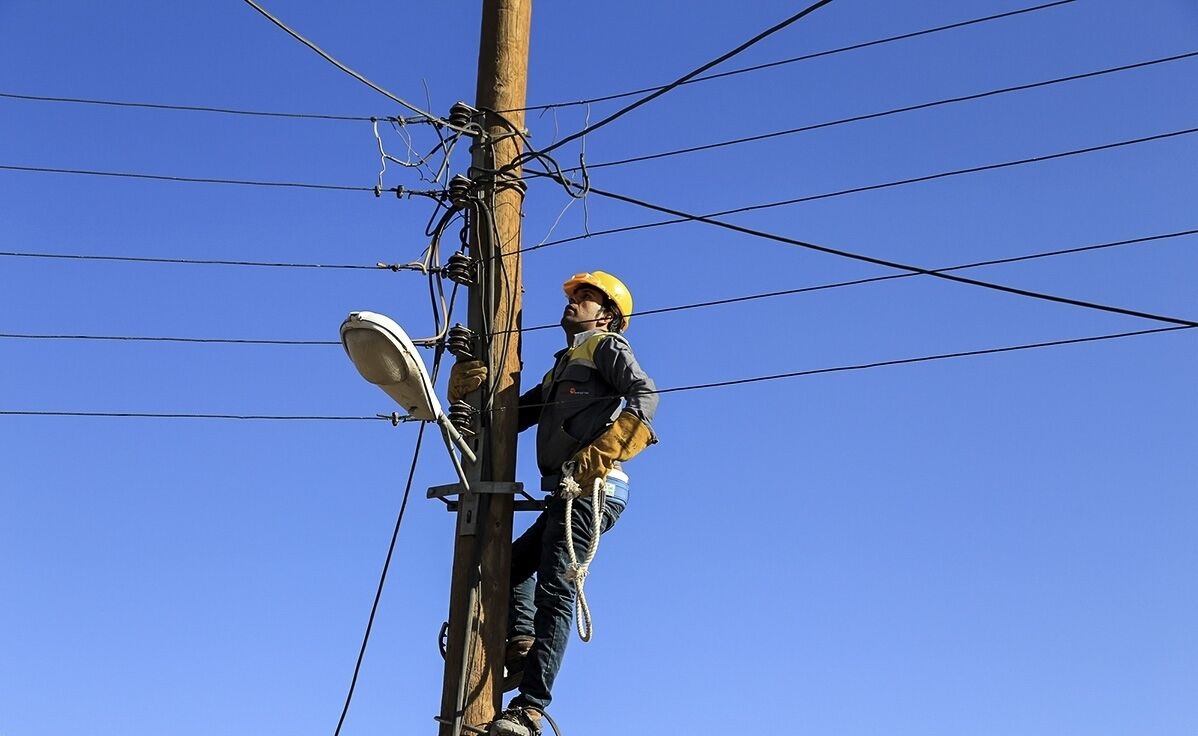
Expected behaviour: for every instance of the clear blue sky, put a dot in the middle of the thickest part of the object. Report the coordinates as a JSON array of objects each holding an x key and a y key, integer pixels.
[{"x": 988, "y": 546}]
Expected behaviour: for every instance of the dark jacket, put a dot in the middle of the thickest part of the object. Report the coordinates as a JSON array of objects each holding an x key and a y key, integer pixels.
[{"x": 590, "y": 383}]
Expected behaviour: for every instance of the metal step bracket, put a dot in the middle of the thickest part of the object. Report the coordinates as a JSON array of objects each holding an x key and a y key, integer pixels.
[{"x": 467, "y": 502}]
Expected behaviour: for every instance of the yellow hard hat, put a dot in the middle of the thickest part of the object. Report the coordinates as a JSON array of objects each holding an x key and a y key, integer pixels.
[{"x": 611, "y": 286}]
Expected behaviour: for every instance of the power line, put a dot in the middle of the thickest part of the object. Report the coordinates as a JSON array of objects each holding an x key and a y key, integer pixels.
[
  {"x": 805, "y": 57},
  {"x": 894, "y": 264},
  {"x": 204, "y": 262},
  {"x": 374, "y": 607},
  {"x": 922, "y": 359},
  {"x": 204, "y": 108},
  {"x": 432, "y": 118},
  {"x": 155, "y": 415},
  {"x": 674, "y": 389},
  {"x": 893, "y": 277},
  {"x": 650, "y": 312},
  {"x": 399, "y": 191},
  {"x": 133, "y": 338},
  {"x": 876, "y": 115},
  {"x": 896, "y": 362},
  {"x": 689, "y": 75},
  {"x": 841, "y": 192}
]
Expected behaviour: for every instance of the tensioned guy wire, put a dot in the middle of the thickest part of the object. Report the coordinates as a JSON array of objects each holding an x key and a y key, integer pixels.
[{"x": 805, "y": 57}]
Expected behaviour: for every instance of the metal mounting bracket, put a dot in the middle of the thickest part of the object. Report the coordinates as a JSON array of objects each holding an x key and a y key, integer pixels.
[{"x": 467, "y": 503}]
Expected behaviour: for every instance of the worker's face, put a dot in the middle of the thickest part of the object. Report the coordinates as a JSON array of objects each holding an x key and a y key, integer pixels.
[{"x": 585, "y": 311}]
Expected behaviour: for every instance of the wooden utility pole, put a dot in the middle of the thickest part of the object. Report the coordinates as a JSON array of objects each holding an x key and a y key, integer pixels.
[{"x": 472, "y": 691}]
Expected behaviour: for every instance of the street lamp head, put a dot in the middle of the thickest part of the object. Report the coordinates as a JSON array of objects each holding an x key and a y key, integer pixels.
[{"x": 386, "y": 357}]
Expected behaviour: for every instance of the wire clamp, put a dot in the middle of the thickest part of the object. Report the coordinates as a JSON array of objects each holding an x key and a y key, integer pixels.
[{"x": 396, "y": 418}]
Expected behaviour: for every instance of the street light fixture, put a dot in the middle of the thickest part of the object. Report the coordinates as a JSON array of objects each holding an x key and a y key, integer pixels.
[{"x": 385, "y": 356}]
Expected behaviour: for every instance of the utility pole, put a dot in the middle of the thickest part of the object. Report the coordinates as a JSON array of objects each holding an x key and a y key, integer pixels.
[{"x": 472, "y": 688}]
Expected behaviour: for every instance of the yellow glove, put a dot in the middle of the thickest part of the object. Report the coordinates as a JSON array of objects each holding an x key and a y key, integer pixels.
[
  {"x": 464, "y": 377},
  {"x": 622, "y": 441}
]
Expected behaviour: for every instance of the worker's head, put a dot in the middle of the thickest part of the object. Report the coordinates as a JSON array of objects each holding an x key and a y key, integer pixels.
[{"x": 597, "y": 300}]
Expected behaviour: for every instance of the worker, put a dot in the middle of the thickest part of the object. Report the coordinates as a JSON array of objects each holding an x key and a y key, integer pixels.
[{"x": 594, "y": 408}]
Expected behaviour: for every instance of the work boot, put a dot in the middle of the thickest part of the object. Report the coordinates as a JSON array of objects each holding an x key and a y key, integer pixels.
[
  {"x": 517, "y": 721},
  {"x": 513, "y": 661}
]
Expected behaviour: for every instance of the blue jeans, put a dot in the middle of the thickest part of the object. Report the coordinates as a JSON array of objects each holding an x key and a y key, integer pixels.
[{"x": 544, "y": 608}]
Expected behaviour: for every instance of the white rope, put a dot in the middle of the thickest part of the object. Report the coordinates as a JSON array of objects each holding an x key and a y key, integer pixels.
[{"x": 577, "y": 572}]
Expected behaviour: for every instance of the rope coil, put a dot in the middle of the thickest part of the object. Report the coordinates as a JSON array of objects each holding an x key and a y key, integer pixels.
[{"x": 577, "y": 571}]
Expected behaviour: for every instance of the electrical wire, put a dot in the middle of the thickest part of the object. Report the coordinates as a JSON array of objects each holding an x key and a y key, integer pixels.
[
  {"x": 378, "y": 594},
  {"x": 199, "y": 108},
  {"x": 922, "y": 359},
  {"x": 841, "y": 192},
  {"x": 428, "y": 115},
  {"x": 895, "y": 264},
  {"x": 156, "y": 415},
  {"x": 659, "y": 310},
  {"x": 682, "y": 80},
  {"x": 202, "y": 262},
  {"x": 399, "y": 191},
  {"x": 893, "y": 277},
  {"x": 884, "y": 364},
  {"x": 885, "y": 113},
  {"x": 792, "y": 60},
  {"x": 131, "y": 338},
  {"x": 691, "y": 387}
]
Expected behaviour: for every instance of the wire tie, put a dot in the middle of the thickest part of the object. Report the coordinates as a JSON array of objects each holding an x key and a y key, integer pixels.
[
  {"x": 400, "y": 191},
  {"x": 395, "y": 418},
  {"x": 378, "y": 191}
]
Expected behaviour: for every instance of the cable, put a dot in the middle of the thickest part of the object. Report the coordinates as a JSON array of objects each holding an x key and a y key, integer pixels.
[
  {"x": 237, "y": 341},
  {"x": 792, "y": 60},
  {"x": 885, "y": 113},
  {"x": 399, "y": 191},
  {"x": 922, "y": 359},
  {"x": 197, "y": 108},
  {"x": 682, "y": 80},
  {"x": 891, "y": 277},
  {"x": 679, "y": 389},
  {"x": 432, "y": 118},
  {"x": 646, "y": 312},
  {"x": 886, "y": 363},
  {"x": 154, "y": 415},
  {"x": 839, "y": 193},
  {"x": 378, "y": 594},
  {"x": 896, "y": 265},
  {"x": 202, "y": 262}
]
